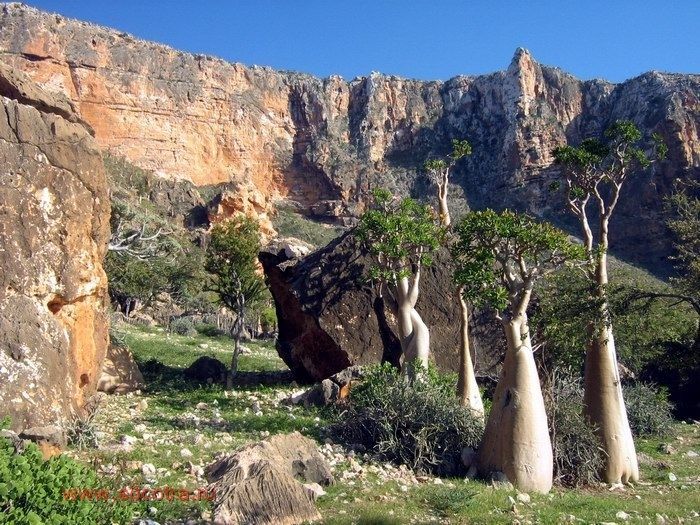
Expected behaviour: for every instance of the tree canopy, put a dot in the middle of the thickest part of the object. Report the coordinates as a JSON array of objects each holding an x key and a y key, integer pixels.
[
  {"x": 400, "y": 235},
  {"x": 231, "y": 260},
  {"x": 498, "y": 256}
]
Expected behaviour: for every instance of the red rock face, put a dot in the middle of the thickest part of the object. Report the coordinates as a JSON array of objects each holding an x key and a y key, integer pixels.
[
  {"x": 326, "y": 142},
  {"x": 54, "y": 226}
]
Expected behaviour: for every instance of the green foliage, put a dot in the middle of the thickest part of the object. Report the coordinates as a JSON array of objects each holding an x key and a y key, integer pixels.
[
  {"x": 577, "y": 455},
  {"x": 289, "y": 223},
  {"x": 82, "y": 430},
  {"x": 420, "y": 425},
  {"x": 268, "y": 318},
  {"x": 437, "y": 166},
  {"x": 684, "y": 206},
  {"x": 170, "y": 263},
  {"x": 231, "y": 258},
  {"x": 183, "y": 326},
  {"x": 450, "y": 501},
  {"x": 496, "y": 252},
  {"x": 595, "y": 161},
  {"x": 643, "y": 330},
  {"x": 32, "y": 490},
  {"x": 400, "y": 235},
  {"x": 648, "y": 410}
]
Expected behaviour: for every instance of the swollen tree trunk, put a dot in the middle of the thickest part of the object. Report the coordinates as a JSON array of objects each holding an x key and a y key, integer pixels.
[
  {"x": 467, "y": 387},
  {"x": 604, "y": 404},
  {"x": 516, "y": 440},
  {"x": 413, "y": 332}
]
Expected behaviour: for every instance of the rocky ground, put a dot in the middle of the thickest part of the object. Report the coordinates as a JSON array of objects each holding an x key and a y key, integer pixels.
[{"x": 165, "y": 436}]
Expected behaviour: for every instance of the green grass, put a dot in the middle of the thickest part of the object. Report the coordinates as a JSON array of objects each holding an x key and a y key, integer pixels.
[
  {"x": 164, "y": 427},
  {"x": 289, "y": 223}
]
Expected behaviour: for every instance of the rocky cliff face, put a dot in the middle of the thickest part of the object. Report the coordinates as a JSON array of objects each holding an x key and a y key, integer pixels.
[
  {"x": 54, "y": 225},
  {"x": 326, "y": 142}
]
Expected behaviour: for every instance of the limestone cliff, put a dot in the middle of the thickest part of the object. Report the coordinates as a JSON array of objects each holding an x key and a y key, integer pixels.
[
  {"x": 54, "y": 225},
  {"x": 325, "y": 142}
]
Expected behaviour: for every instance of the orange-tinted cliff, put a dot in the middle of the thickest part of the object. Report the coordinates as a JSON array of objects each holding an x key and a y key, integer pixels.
[{"x": 325, "y": 142}]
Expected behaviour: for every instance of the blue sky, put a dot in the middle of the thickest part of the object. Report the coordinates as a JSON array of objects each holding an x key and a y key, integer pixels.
[{"x": 613, "y": 39}]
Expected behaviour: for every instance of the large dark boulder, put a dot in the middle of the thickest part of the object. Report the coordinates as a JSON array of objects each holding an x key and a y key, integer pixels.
[{"x": 330, "y": 317}]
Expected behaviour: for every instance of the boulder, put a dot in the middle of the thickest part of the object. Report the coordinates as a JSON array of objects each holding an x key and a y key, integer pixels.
[
  {"x": 271, "y": 482},
  {"x": 330, "y": 318},
  {"x": 54, "y": 227},
  {"x": 120, "y": 373},
  {"x": 329, "y": 390},
  {"x": 206, "y": 370}
]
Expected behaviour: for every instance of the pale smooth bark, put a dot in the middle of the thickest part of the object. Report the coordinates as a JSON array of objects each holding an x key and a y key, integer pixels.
[
  {"x": 604, "y": 405},
  {"x": 603, "y": 400},
  {"x": 467, "y": 387},
  {"x": 413, "y": 332},
  {"x": 444, "y": 211},
  {"x": 516, "y": 440}
]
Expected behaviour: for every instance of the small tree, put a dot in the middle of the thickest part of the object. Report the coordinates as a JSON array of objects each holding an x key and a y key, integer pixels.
[
  {"x": 401, "y": 236},
  {"x": 439, "y": 172},
  {"x": 498, "y": 257},
  {"x": 685, "y": 225},
  {"x": 595, "y": 172},
  {"x": 232, "y": 257}
]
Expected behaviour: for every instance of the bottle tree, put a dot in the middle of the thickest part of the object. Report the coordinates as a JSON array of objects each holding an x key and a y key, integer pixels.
[
  {"x": 439, "y": 173},
  {"x": 498, "y": 258},
  {"x": 401, "y": 236},
  {"x": 594, "y": 174}
]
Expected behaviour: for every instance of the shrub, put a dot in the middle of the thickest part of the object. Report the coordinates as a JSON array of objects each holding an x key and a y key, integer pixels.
[
  {"x": 82, "y": 429},
  {"x": 183, "y": 326},
  {"x": 32, "y": 490},
  {"x": 420, "y": 425},
  {"x": 648, "y": 409},
  {"x": 578, "y": 457}
]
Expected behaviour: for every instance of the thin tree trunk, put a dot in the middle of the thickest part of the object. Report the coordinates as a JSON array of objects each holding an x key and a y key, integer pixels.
[
  {"x": 467, "y": 387},
  {"x": 238, "y": 328},
  {"x": 516, "y": 440},
  {"x": 444, "y": 211}
]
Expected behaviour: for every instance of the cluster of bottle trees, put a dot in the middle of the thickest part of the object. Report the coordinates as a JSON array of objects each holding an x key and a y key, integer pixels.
[{"x": 498, "y": 257}]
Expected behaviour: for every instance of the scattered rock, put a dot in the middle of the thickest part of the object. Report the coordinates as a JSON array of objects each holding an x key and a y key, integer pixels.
[
  {"x": 672, "y": 476},
  {"x": 499, "y": 479},
  {"x": 143, "y": 405},
  {"x": 667, "y": 448},
  {"x": 691, "y": 454},
  {"x": 148, "y": 469},
  {"x": 315, "y": 490},
  {"x": 622, "y": 515},
  {"x": 523, "y": 497},
  {"x": 186, "y": 453},
  {"x": 262, "y": 483}
]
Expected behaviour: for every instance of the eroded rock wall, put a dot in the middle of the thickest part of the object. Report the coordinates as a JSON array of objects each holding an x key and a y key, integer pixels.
[
  {"x": 54, "y": 225},
  {"x": 326, "y": 142}
]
